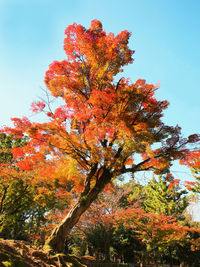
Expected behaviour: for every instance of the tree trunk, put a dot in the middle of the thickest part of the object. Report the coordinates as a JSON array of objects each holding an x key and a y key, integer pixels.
[
  {"x": 170, "y": 257},
  {"x": 107, "y": 253},
  {"x": 107, "y": 243},
  {"x": 90, "y": 252},
  {"x": 56, "y": 241}
]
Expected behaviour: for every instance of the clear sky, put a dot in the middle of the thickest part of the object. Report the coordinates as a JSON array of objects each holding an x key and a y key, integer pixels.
[{"x": 165, "y": 36}]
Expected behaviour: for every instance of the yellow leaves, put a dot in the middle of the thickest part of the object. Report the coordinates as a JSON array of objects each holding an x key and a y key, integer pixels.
[
  {"x": 140, "y": 127},
  {"x": 102, "y": 70},
  {"x": 150, "y": 152},
  {"x": 86, "y": 81},
  {"x": 74, "y": 124},
  {"x": 66, "y": 170}
]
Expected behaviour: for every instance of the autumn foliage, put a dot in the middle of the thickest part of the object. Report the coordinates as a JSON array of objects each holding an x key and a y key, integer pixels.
[{"x": 106, "y": 126}]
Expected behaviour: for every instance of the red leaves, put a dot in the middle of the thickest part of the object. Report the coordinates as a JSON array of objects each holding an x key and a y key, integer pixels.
[
  {"x": 91, "y": 45},
  {"x": 37, "y": 106},
  {"x": 190, "y": 185},
  {"x": 196, "y": 164},
  {"x": 173, "y": 183},
  {"x": 30, "y": 162},
  {"x": 154, "y": 229},
  {"x": 129, "y": 162},
  {"x": 21, "y": 125},
  {"x": 191, "y": 158},
  {"x": 63, "y": 113},
  {"x": 18, "y": 152},
  {"x": 25, "y": 165}
]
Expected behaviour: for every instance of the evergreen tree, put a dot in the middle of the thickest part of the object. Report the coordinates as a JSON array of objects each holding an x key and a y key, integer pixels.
[{"x": 162, "y": 198}]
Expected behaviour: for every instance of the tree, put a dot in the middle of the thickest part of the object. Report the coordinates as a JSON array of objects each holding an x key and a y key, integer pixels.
[
  {"x": 24, "y": 205},
  {"x": 103, "y": 127},
  {"x": 166, "y": 198},
  {"x": 126, "y": 243},
  {"x": 163, "y": 197},
  {"x": 158, "y": 231},
  {"x": 97, "y": 225},
  {"x": 15, "y": 192},
  {"x": 192, "y": 160},
  {"x": 98, "y": 232}
]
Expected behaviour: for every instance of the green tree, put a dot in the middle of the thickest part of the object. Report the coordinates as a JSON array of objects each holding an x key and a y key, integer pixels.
[
  {"x": 126, "y": 243},
  {"x": 16, "y": 195},
  {"x": 162, "y": 197}
]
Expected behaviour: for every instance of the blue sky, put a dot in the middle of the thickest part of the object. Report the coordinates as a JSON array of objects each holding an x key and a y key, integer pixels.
[{"x": 165, "y": 36}]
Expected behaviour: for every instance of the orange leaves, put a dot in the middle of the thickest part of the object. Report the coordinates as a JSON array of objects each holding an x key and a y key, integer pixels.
[
  {"x": 129, "y": 161},
  {"x": 66, "y": 171},
  {"x": 18, "y": 152},
  {"x": 46, "y": 172},
  {"x": 191, "y": 159},
  {"x": 76, "y": 40},
  {"x": 152, "y": 228},
  {"x": 190, "y": 185},
  {"x": 102, "y": 101},
  {"x": 21, "y": 124},
  {"x": 154, "y": 161},
  {"x": 93, "y": 45},
  {"x": 173, "y": 183},
  {"x": 58, "y": 68},
  {"x": 96, "y": 25},
  {"x": 140, "y": 82},
  {"x": 100, "y": 111},
  {"x": 25, "y": 165},
  {"x": 28, "y": 163},
  {"x": 196, "y": 164},
  {"x": 140, "y": 127}
]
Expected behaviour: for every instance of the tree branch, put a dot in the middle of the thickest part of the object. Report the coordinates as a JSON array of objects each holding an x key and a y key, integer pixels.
[{"x": 88, "y": 180}]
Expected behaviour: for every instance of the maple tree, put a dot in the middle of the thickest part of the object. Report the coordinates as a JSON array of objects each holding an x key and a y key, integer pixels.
[
  {"x": 24, "y": 204},
  {"x": 159, "y": 230},
  {"x": 105, "y": 127},
  {"x": 192, "y": 160},
  {"x": 97, "y": 225}
]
